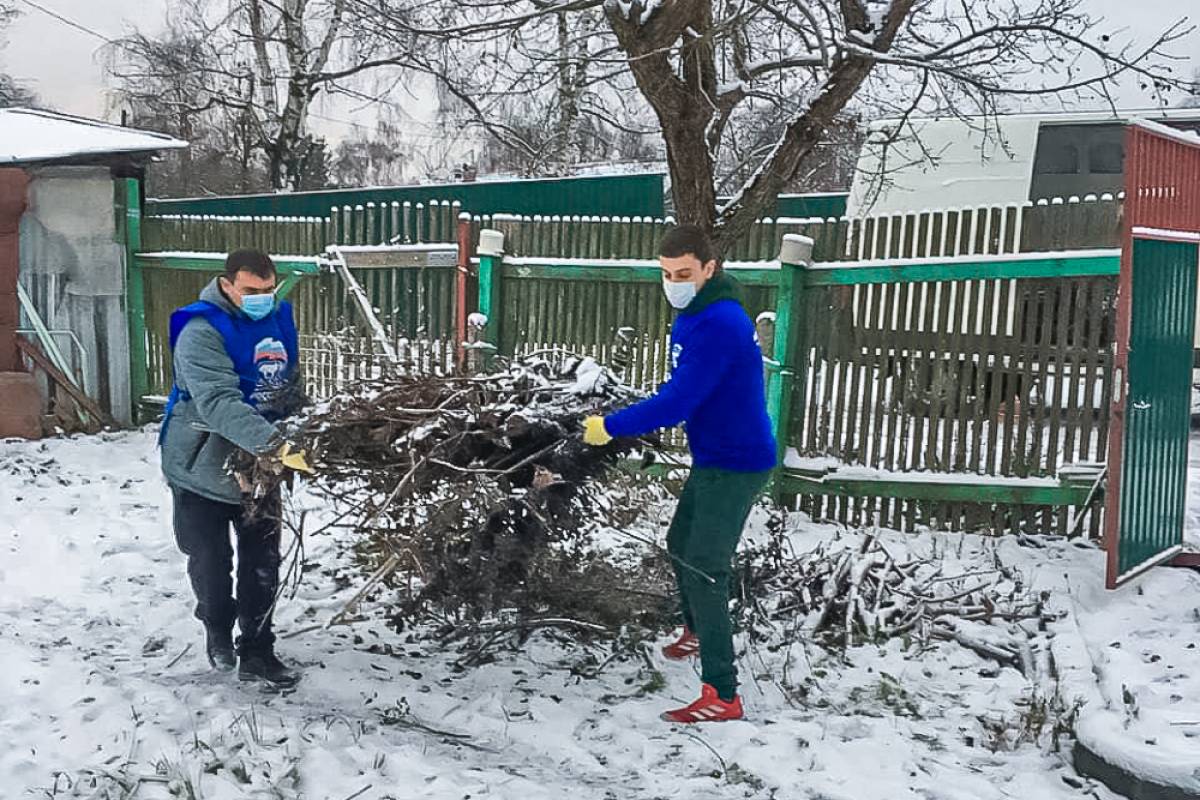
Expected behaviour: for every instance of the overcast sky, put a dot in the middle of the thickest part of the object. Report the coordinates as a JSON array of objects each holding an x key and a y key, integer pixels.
[{"x": 65, "y": 66}]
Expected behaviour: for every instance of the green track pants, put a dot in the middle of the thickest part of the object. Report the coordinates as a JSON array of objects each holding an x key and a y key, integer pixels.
[{"x": 702, "y": 540}]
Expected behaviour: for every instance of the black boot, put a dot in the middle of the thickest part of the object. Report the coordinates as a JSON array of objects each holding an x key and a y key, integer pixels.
[
  {"x": 219, "y": 644},
  {"x": 264, "y": 666}
]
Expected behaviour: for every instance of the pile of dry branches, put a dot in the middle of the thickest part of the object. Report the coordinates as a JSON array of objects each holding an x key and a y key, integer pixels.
[
  {"x": 473, "y": 495},
  {"x": 841, "y": 593}
]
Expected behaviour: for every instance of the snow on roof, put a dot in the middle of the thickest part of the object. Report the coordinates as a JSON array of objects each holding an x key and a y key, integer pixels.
[
  {"x": 1179, "y": 115},
  {"x": 31, "y": 135}
]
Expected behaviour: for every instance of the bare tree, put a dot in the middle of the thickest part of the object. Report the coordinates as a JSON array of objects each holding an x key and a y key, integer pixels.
[
  {"x": 378, "y": 159},
  {"x": 256, "y": 64},
  {"x": 552, "y": 96},
  {"x": 11, "y": 92},
  {"x": 705, "y": 69},
  {"x": 1193, "y": 97}
]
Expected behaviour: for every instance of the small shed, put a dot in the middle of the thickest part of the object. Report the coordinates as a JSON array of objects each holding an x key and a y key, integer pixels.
[{"x": 64, "y": 184}]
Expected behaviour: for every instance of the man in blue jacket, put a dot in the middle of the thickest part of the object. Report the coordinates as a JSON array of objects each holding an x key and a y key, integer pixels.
[
  {"x": 236, "y": 363},
  {"x": 716, "y": 391}
]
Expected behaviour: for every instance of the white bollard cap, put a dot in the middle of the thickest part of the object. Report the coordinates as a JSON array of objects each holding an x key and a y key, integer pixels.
[
  {"x": 796, "y": 249},
  {"x": 491, "y": 243}
]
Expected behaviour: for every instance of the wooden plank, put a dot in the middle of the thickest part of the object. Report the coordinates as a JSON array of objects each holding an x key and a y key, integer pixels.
[
  {"x": 844, "y": 400},
  {"x": 65, "y": 383},
  {"x": 965, "y": 345},
  {"x": 987, "y": 373},
  {"x": 899, "y": 357},
  {"x": 920, "y": 400},
  {"x": 1015, "y": 461},
  {"x": 909, "y": 368},
  {"x": 1003, "y": 375},
  {"x": 1092, "y": 316},
  {"x": 1075, "y": 358},
  {"x": 1049, "y": 266},
  {"x": 957, "y": 489},
  {"x": 943, "y": 374},
  {"x": 857, "y": 405},
  {"x": 1065, "y": 377},
  {"x": 882, "y": 340}
]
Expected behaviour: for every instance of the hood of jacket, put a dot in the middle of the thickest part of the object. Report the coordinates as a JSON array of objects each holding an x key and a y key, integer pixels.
[{"x": 719, "y": 287}]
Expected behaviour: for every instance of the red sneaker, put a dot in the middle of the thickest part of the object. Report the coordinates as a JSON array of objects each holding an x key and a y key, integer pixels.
[
  {"x": 709, "y": 708},
  {"x": 683, "y": 648}
]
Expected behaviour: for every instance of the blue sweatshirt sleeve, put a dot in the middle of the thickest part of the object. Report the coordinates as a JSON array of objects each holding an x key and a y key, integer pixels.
[{"x": 703, "y": 363}]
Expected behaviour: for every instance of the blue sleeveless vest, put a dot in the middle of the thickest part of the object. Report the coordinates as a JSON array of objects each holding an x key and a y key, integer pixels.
[{"x": 264, "y": 352}]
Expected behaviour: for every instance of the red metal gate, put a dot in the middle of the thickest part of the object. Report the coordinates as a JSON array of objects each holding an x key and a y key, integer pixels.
[{"x": 1156, "y": 301}]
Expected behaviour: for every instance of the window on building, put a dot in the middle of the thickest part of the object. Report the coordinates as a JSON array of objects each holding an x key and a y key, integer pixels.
[
  {"x": 1057, "y": 158},
  {"x": 1106, "y": 158}
]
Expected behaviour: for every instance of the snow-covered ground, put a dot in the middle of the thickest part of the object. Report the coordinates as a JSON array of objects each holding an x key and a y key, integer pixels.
[
  {"x": 1191, "y": 532},
  {"x": 103, "y": 680}
]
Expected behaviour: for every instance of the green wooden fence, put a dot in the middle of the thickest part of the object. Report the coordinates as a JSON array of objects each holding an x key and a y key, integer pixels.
[
  {"x": 939, "y": 356},
  {"x": 370, "y": 224},
  {"x": 1056, "y": 225},
  {"x": 416, "y": 304},
  {"x": 596, "y": 194},
  {"x": 987, "y": 230},
  {"x": 536, "y": 304},
  {"x": 905, "y": 392},
  {"x": 909, "y": 385}
]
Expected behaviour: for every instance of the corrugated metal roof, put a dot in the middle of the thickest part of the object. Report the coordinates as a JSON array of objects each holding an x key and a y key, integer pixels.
[{"x": 30, "y": 135}]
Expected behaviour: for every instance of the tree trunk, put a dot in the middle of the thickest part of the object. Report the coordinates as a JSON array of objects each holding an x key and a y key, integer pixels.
[
  {"x": 568, "y": 107},
  {"x": 806, "y": 131},
  {"x": 691, "y": 113},
  {"x": 678, "y": 101}
]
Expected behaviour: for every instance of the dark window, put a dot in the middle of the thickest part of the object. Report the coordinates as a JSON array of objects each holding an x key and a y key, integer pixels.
[
  {"x": 1106, "y": 158},
  {"x": 1057, "y": 158}
]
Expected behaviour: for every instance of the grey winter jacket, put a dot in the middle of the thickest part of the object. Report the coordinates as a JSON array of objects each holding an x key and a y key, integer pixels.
[{"x": 205, "y": 429}]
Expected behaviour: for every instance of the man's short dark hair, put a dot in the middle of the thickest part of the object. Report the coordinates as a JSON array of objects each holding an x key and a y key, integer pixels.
[
  {"x": 256, "y": 262},
  {"x": 688, "y": 240}
]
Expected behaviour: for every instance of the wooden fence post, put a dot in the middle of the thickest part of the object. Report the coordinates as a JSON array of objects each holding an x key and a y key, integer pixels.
[
  {"x": 461, "y": 275},
  {"x": 135, "y": 298},
  {"x": 795, "y": 258},
  {"x": 491, "y": 259}
]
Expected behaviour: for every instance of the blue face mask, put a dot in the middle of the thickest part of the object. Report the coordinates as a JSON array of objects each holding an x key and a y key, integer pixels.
[{"x": 257, "y": 306}]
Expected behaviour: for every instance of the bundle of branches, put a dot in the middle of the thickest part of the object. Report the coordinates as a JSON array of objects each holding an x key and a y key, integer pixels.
[
  {"x": 475, "y": 494},
  {"x": 843, "y": 592}
]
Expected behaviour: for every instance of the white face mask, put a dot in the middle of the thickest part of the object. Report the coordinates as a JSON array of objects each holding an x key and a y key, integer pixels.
[{"x": 679, "y": 295}]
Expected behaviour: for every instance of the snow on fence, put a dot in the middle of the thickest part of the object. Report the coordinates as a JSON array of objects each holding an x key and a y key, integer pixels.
[
  {"x": 1059, "y": 224},
  {"x": 369, "y": 224}
]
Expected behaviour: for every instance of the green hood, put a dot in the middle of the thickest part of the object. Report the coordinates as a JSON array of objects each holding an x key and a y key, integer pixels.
[{"x": 719, "y": 287}]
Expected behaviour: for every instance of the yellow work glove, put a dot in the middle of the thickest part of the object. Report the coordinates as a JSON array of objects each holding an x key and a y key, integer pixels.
[
  {"x": 294, "y": 459},
  {"x": 594, "y": 432}
]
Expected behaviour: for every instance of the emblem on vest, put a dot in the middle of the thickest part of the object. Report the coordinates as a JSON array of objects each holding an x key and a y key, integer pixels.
[
  {"x": 676, "y": 352},
  {"x": 271, "y": 361}
]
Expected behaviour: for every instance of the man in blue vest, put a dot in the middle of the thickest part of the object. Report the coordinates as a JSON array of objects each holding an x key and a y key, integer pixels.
[
  {"x": 236, "y": 364},
  {"x": 716, "y": 390}
]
